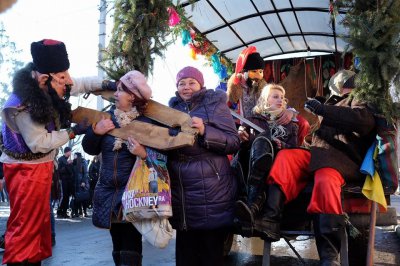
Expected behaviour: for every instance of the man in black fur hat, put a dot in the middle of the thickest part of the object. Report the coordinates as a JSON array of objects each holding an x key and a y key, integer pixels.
[{"x": 33, "y": 116}]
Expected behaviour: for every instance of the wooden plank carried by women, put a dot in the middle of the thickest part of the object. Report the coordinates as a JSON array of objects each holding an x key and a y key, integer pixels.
[
  {"x": 170, "y": 117},
  {"x": 145, "y": 133},
  {"x": 160, "y": 113}
]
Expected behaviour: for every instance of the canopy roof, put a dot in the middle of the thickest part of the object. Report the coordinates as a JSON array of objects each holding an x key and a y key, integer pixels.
[{"x": 281, "y": 27}]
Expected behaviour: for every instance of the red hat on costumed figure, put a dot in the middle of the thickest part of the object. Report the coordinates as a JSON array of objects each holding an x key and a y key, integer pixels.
[{"x": 249, "y": 59}]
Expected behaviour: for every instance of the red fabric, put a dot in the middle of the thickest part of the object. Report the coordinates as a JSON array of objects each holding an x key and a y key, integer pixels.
[
  {"x": 50, "y": 42},
  {"x": 241, "y": 61},
  {"x": 304, "y": 129},
  {"x": 290, "y": 172},
  {"x": 327, "y": 188},
  {"x": 28, "y": 235}
]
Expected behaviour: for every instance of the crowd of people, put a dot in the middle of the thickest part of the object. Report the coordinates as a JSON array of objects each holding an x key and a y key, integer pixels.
[{"x": 204, "y": 186}]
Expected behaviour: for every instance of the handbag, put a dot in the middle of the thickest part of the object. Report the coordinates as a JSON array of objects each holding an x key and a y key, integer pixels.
[
  {"x": 147, "y": 193},
  {"x": 157, "y": 231},
  {"x": 83, "y": 194}
]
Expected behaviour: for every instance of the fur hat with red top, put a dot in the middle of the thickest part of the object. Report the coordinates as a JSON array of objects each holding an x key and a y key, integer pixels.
[
  {"x": 136, "y": 82},
  {"x": 49, "y": 56},
  {"x": 249, "y": 59}
]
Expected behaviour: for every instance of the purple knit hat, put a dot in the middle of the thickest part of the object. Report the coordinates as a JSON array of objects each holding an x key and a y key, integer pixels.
[{"x": 190, "y": 72}]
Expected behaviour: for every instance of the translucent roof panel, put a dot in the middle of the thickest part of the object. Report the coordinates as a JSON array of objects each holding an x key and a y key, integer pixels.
[
  {"x": 228, "y": 9},
  {"x": 203, "y": 16},
  {"x": 311, "y": 21},
  {"x": 311, "y": 3},
  {"x": 289, "y": 22},
  {"x": 219, "y": 37},
  {"x": 263, "y": 5},
  {"x": 320, "y": 43},
  {"x": 281, "y": 4},
  {"x": 274, "y": 27},
  {"x": 248, "y": 33},
  {"x": 274, "y": 24}
]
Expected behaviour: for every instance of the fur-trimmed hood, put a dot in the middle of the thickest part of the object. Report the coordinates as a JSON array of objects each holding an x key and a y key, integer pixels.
[
  {"x": 235, "y": 91},
  {"x": 37, "y": 101}
]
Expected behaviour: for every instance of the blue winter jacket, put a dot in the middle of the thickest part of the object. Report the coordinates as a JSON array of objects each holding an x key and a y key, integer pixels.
[
  {"x": 116, "y": 167},
  {"x": 202, "y": 181}
]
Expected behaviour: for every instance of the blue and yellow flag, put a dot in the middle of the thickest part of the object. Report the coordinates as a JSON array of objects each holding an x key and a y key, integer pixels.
[{"x": 372, "y": 188}]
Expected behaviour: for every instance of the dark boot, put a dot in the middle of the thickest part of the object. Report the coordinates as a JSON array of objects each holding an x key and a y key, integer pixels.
[
  {"x": 130, "y": 258},
  {"x": 261, "y": 158},
  {"x": 269, "y": 225},
  {"x": 116, "y": 258},
  {"x": 247, "y": 212},
  {"x": 329, "y": 230},
  {"x": 260, "y": 162}
]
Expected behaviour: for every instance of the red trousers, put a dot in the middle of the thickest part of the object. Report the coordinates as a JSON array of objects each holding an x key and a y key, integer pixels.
[
  {"x": 290, "y": 172},
  {"x": 28, "y": 235}
]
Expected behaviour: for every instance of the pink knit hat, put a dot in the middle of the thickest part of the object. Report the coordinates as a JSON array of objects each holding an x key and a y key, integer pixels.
[
  {"x": 136, "y": 82},
  {"x": 190, "y": 72}
]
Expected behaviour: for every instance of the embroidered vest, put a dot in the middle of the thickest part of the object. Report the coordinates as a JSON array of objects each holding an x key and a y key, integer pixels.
[{"x": 12, "y": 143}]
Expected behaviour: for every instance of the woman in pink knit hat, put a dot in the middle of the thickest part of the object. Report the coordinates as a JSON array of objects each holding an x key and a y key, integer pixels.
[{"x": 118, "y": 157}]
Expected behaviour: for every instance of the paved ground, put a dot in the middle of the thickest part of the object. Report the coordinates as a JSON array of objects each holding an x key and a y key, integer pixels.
[{"x": 80, "y": 243}]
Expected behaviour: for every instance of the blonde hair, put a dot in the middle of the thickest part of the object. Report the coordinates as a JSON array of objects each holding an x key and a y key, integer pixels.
[{"x": 262, "y": 102}]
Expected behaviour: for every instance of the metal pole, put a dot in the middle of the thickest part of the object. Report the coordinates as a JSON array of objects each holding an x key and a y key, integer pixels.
[
  {"x": 371, "y": 238},
  {"x": 102, "y": 44}
]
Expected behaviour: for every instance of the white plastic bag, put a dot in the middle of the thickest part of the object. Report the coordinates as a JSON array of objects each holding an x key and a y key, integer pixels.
[{"x": 157, "y": 231}]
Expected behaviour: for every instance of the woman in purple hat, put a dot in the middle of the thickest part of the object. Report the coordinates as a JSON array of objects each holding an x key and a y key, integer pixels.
[{"x": 202, "y": 183}]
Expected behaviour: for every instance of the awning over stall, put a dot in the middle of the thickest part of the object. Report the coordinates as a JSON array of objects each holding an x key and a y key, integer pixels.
[{"x": 281, "y": 27}]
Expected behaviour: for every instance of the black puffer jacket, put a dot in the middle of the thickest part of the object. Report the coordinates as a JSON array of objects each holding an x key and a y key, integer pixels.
[
  {"x": 202, "y": 182},
  {"x": 347, "y": 131},
  {"x": 114, "y": 174}
]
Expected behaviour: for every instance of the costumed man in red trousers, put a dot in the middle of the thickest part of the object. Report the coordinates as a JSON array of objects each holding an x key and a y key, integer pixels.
[
  {"x": 32, "y": 118},
  {"x": 337, "y": 150}
]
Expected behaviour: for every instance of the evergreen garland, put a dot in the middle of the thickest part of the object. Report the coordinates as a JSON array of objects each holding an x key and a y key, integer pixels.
[
  {"x": 139, "y": 34},
  {"x": 374, "y": 37}
]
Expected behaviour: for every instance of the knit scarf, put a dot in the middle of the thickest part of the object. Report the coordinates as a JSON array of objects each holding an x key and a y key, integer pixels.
[
  {"x": 124, "y": 119},
  {"x": 272, "y": 114}
]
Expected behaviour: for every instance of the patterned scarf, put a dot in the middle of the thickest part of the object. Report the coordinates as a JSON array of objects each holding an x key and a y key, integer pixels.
[
  {"x": 124, "y": 119},
  {"x": 277, "y": 131}
]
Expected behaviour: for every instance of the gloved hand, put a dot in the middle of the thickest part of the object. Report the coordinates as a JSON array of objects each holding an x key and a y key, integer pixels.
[
  {"x": 81, "y": 127},
  {"x": 315, "y": 107},
  {"x": 109, "y": 85}
]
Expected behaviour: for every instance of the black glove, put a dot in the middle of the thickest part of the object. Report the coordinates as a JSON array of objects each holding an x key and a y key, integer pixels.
[
  {"x": 81, "y": 127},
  {"x": 109, "y": 85},
  {"x": 315, "y": 107}
]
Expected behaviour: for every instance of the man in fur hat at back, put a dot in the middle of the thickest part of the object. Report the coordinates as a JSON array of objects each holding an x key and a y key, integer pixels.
[{"x": 33, "y": 117}]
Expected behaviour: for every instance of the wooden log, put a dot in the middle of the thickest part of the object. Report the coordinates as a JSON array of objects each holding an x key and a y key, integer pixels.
[{"x": 145, "y": 133}]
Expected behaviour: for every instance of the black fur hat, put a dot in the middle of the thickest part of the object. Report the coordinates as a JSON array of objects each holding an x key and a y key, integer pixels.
[
  {"x": 254, "y": 61},
  {"x": 49, "y": 56}
]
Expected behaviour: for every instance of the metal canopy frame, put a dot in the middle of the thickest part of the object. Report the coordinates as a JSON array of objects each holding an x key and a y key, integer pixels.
[{"x": 275, "y": 27}]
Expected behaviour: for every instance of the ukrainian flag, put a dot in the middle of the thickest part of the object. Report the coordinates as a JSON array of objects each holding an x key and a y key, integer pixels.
[{"x": 372, "y": 188}]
